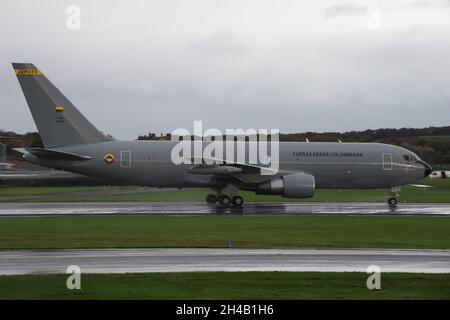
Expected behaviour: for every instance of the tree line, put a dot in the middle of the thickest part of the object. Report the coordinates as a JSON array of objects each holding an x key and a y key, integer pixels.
[{"x": 432, "y": 144}]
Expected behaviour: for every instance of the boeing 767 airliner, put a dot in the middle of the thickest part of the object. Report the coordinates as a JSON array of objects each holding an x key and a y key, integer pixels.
[{"x": 73, "y": 144}]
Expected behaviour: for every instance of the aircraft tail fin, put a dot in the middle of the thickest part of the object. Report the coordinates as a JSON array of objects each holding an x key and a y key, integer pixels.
[{"x": 58, "y": 121}]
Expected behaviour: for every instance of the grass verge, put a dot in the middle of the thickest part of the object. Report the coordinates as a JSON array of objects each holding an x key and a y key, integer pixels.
[
  {"x": 214, "y": 231},
  {"x": 232, "y": 285}
]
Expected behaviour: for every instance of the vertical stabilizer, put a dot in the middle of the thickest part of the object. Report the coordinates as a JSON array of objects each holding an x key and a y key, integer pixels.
[{"x": 58, "y": 121}]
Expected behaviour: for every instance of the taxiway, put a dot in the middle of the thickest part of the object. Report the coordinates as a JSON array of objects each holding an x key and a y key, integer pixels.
[{"x": 184, "y": 260}]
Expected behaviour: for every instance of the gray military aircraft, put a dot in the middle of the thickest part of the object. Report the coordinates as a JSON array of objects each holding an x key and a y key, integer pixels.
[{"x": 73, "y": 144}]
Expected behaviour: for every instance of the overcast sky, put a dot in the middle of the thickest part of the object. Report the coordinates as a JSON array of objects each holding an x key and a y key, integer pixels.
[{"x": 139, "y": 66}]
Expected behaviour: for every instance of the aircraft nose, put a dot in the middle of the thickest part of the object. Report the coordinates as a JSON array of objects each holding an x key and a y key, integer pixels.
[{"x": 428, "y": 168}]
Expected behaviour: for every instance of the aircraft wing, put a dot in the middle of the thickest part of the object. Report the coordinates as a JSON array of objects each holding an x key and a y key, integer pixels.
[{"x": 244, "y": 172}]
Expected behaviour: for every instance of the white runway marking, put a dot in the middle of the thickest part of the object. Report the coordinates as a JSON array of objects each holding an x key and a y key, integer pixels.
[{"x": 184, "y": 260}]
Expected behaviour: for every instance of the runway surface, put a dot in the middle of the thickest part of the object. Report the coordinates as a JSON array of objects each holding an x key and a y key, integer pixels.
[
  {"x": 200, "y": 208},
  {"x": 184, "y": 260}
]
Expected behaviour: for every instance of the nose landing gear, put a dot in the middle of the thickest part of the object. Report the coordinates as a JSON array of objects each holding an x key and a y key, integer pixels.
[{"x": 393, "y": 192}]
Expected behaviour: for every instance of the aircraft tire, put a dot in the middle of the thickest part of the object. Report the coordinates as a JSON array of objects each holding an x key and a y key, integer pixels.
[
  {"x": 392, "y": 201},
  {"x": 224, "y": 200},
  {"x": 211, "y": 199},
  {"x": 238, "y": 201}
]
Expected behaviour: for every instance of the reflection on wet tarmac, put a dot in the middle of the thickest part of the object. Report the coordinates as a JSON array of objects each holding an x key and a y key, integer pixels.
[{"x": 197, "y": 208}]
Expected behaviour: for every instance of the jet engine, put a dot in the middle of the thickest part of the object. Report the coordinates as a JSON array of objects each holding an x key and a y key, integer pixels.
[{"x": 295, "y": 185}]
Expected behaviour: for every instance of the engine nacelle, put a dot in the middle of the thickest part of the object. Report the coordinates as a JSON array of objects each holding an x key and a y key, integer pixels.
[{"x": 296, "y": 185}]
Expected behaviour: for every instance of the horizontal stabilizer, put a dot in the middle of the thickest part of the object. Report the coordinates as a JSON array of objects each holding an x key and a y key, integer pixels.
[
  {"x": 20, "y": 150},
  {"x": 56, "y": 155}
]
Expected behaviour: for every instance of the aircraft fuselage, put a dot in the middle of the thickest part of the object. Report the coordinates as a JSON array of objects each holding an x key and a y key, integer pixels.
[{"x": 334, "y": 165}]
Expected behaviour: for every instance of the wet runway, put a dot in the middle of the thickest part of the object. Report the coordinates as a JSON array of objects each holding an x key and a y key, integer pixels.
[
  {"x": 184, "y": 260},
  {"x": 200, "y": 208}
]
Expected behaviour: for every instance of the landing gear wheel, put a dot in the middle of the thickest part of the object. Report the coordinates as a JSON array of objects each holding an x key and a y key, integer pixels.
[
  {"x": 224, "y": 200},
  {"x": 392, "y": 201},
  {"x": 211, "y": 199},
  {"x": 237, "y": 201}
]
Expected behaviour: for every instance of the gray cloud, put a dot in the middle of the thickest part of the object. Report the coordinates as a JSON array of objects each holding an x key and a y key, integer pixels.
[
  {"x": 431, "y": 3},
  {"x": 252, "y": 64}
]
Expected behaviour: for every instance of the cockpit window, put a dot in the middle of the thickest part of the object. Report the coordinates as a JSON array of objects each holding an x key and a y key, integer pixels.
[{"x": 409, "y": 157}]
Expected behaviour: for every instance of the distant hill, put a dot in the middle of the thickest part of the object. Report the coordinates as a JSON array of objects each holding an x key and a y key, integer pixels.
[
  {"x": 18, "y": 140},
  {"x": 431, "y": 144},
  {"x": 371, "y": 135}
]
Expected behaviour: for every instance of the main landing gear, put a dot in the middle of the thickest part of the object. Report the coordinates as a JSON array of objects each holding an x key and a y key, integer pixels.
[
  {"x": 224, "y": 200},
  {"x": 393, "y": 195}
]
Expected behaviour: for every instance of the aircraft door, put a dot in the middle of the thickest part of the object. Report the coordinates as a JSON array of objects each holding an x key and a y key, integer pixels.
[
  {"x": 125, "y": 159},
  {"x": 387, "y": 161}
]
